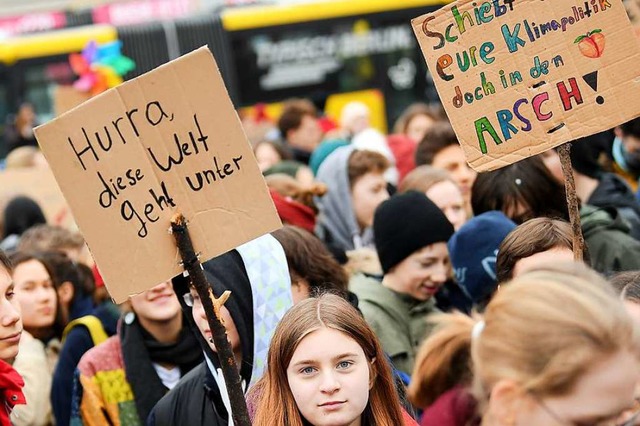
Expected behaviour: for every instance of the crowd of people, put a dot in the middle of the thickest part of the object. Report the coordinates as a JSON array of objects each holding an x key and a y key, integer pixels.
[{"x": 403, "y": 289}]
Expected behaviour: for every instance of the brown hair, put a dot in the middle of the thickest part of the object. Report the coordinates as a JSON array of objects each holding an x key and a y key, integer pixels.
[
  {"x": 292, "y": 113},
  {"x": 434, "y": 112},
  {"x": 277, "y": 147},
  {"x": 289, "y": 187},
  {"x": 309, "y": 259},
  {"x": 277, "y": 406},
  {"x": 527, "y": 183},
  {"x": 362, "y": 162},
  {"x": 49, "y": 238},
  {"x": 5, "y": 262},
  {"x": 64, "y": 270},
  {"x": 21, "y": 119},
  {"x": 534, "y": 236},
  {"x": 424, "y": 177},
  {"x": 44, "y": 259},
  {"x": 438, "y": 137},
  {"x": 437, "y": 371},
  {"x": 543, "y": 331}
]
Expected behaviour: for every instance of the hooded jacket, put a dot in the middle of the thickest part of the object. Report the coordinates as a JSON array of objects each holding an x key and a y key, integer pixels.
[
  {"x": 337, "y": 224},
  {"x": 612, "y": 191},
  {"x": 398, "y": 320},
  {"x": 257, "y": 275},
  {"x": 611, "y": 247}
]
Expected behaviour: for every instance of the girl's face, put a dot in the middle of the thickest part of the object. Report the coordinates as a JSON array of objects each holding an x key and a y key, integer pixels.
[
  {"x": 10, "y": 324},
  {"x": 36, "y": 294},
  {"x": 604, "y": 395},
  {"x": 329, "y": 377}
]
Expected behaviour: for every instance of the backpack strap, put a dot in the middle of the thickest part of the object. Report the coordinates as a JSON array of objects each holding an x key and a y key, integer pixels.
[{"x": 93, "y": 325}]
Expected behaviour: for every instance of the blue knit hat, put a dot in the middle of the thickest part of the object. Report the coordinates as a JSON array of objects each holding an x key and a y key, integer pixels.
[{"x": 473, "y": 249}]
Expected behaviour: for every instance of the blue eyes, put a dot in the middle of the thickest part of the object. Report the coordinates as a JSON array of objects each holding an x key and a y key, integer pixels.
[
  {"x": 342, "y": 365},
  {"x": 307, "y": 370},
  {"x": 345, "y": 364}
]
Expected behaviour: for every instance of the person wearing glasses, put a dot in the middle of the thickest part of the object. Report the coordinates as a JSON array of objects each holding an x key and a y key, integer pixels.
[{"x": 552, "y": 349}]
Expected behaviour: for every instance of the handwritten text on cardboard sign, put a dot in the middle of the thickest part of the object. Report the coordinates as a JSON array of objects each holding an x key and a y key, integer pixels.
[
  {"x": 519, "y": 77},
  {"x": 165, "y": 142}
]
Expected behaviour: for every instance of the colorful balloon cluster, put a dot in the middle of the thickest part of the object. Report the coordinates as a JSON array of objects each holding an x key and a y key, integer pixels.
[{"x": 100, "y": 67}]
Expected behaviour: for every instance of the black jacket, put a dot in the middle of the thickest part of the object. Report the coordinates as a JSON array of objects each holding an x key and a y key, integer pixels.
[
  {"x": 258, "y": 277},
  {"x": 195, "y": 400}
]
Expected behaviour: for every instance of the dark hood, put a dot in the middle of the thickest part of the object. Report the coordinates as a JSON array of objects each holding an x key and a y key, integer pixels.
[
  {"x": 226, "y": 272},
  {"x": 257, "y": 275},
  {"x": 613, "y": 192}
]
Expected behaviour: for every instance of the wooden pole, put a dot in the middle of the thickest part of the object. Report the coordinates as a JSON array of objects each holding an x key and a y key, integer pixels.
[
  {"x": 572, "y": 201},
  {"x": 212, "y": 306}
]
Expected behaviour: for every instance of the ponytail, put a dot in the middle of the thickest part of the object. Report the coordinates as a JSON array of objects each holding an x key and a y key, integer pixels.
[
  {"x": 306, "y": 194},
  {"x": 444, "y": 359}
]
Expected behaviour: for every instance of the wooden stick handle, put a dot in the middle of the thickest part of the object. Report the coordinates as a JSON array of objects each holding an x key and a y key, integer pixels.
[
  {"x": 572, "y": 201},
  {"x": 212, "y": 306}
]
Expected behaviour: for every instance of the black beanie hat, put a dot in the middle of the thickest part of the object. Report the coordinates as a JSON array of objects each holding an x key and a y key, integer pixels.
[{"x": 406, "y": 223}]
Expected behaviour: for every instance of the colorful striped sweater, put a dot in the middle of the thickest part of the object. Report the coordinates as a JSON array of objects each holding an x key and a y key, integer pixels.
[{"x": 102, "y": 394}]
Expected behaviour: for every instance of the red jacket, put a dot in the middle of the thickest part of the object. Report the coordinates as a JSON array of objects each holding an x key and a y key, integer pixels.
[
  {"x": 404, "y": 151},
  {"x": 11, "y": 385}
]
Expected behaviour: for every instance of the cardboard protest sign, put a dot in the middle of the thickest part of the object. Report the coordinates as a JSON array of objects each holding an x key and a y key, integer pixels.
[
  {"x": 66, "y": 98},
  {"x": 519, "y": 77},
  {"x": 169, "y": 141}
]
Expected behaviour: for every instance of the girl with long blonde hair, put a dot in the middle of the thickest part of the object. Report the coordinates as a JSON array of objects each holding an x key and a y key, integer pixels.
[{"x": 551, "y": 349}]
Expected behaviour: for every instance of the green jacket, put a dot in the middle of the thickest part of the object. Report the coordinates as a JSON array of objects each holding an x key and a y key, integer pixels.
[
  {"x": 611, "y": 247},
  {"x": 399, "y": 321}
]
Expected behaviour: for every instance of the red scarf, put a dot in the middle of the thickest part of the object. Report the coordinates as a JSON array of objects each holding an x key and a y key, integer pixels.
[{"x": 11, "y": 384}]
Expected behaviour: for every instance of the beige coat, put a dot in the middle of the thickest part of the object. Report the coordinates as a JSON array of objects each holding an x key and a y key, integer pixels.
[{"x": 35, "y": 363}]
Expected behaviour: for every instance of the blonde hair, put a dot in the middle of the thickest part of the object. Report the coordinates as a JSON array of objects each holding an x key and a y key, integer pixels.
[
  {"x": 543, "y": 330},
  {"x": 22, "y": 157}
]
